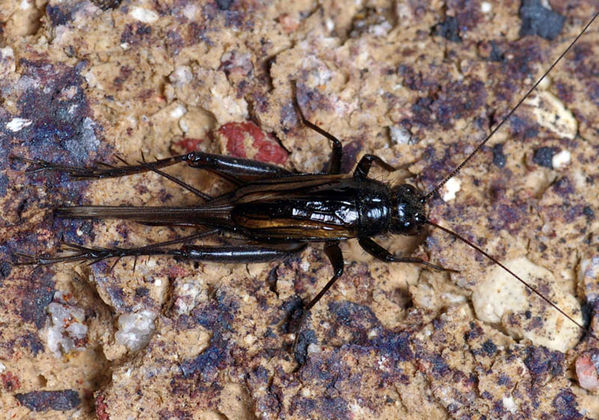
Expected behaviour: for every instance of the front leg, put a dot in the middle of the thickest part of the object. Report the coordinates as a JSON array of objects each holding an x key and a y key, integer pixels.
[{"x": 382, "y": 254}]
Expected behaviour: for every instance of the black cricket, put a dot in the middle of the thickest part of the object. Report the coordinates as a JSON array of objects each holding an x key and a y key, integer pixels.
[{"x": 278, "y": 212}]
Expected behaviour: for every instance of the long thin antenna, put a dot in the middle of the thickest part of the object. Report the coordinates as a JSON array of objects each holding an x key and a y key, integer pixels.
[
  {"x": 498, "y": 126},
  {"x": 520, "y": 279}
]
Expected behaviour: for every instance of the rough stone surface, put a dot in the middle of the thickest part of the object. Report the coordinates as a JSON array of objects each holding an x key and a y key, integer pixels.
[{"x": 414, "y": 82}]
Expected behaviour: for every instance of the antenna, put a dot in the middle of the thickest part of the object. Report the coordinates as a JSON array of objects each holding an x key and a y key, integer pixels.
[
  {"x": 520, "y": 279},
  {"x": 498, "y": 126}
]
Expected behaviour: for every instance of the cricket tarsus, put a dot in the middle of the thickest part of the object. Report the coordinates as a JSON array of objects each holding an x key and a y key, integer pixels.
[{"x": 382, "y": 254}]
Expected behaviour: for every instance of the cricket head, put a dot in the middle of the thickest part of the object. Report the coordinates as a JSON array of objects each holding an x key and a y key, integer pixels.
[{"x": 408, "y": 214}]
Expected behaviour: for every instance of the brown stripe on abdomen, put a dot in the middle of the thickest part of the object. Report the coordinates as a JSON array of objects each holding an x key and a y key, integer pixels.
[{"x": 292, "y": 229}]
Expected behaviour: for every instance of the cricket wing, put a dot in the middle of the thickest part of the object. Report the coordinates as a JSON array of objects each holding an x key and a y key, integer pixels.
[{"x": 209, "y": 215}]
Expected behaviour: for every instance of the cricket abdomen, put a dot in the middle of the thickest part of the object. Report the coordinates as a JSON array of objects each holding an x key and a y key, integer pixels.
[
  {"x": 338, "y": 210},
  {"x": 297, "y": 219}
]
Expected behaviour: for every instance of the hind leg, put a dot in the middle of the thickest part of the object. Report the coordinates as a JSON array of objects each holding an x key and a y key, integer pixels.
[
  {"x": 222, "y": 165},
  {"x": 223, "y": 254}
]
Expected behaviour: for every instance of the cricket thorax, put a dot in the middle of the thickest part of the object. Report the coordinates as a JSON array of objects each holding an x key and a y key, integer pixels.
[{"x": 408, "y": 206}]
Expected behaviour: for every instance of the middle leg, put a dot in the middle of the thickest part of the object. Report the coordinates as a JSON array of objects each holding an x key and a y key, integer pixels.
[
  {"x": 335, "y": 255},
  {"x": 337, "y": 152},
  {"x": 300, "y": 315}
]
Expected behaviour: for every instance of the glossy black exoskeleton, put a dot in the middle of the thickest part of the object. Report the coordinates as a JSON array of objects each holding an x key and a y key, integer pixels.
[{"x": 277, "y": 211}]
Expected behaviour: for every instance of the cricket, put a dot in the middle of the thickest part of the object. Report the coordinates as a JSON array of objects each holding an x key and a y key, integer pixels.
[{"x": 272, "y": 213}]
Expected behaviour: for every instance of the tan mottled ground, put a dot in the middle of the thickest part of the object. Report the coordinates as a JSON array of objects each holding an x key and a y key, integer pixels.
[{"x": 174, "y": 339}]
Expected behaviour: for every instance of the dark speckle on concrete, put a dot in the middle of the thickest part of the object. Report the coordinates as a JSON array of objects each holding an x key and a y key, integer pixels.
[
  {"x": 448, "y": 29},
  {"x": 311, "y": 100},
  {"x": 439, "y": 366},
  {"x": 50, "y": 400},
  {"x": 58, "y": 16},
  {"x": 335, "y": 408},
  {"x": 458, "y": 99},
  {"x": 206, "y": 364},
  {"x": 216, "y": 316},
  {"x": 136, "y": 33},
  {"x": 76, "y": 231},
  {"x": 303, "y": 405},
  {"x": 489, "y": 347},
  {"x": 521, "y": 127},
  {"x": 54, "y": 101},
  {"x": 474, "y": 332},
  {"x": 224, "y": 4},
  {"x": 499, "y": 158},
  {"x": 116, "y": 293},
  {"x": 3, "y": 184},
  {"x": 496, "y": 54},
  {"x": 177, "y": 413},
  {"x": 588, "y": 212},
  {"x": 564, "y": 187},
  {"x": 538, "y": 20},
  {"x": 566, "y": 406},
  {"x": 31, "y": 342},
  {"x": 330, "y": 371},
  {"x": 395, "y": 345},
  {"x": 5, "y": 269},
  {"x": 36, "y": 297},
  {"x": 304, "y": 339},
  {"x": 504, "y": 380},
  {"x": 543, "y": 156},
  {"x": 542, "y": 361},
  {"x": 355, "y": 319}
]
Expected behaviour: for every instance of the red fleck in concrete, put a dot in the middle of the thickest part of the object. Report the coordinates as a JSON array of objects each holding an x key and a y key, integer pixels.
[
  {"x": 586, "y": 370},
  {"x": 247, "y": 140},
  {"x": 10, "y": 381},
  {"x": 189, "y": 144},
  {"x": 101, "y": 408}
]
